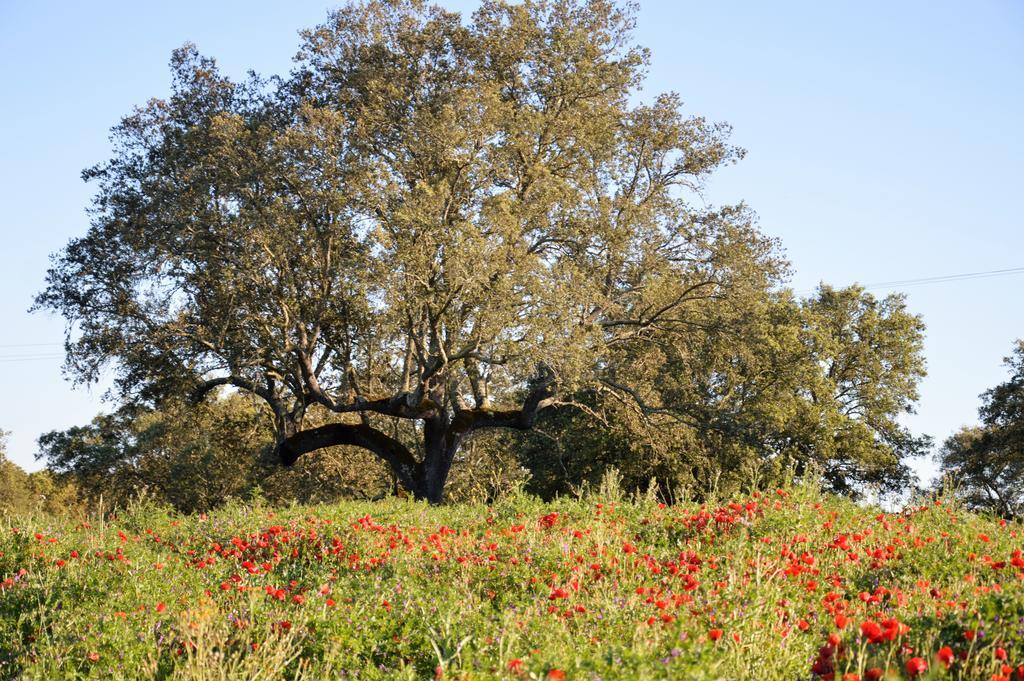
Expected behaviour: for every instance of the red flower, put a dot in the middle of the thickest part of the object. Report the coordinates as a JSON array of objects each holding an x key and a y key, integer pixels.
[
  {"x": 916, "y": 666},
  {"x": 715, "y": 634},
  {"x": 515, "y": 665},
  {"x": 874, "y": 674},
  {"x": 893, "y": 629},
  {"x": 871, "y": 631},
  {"x": 93, "y": 657},
  {"x": 160, "y": 607},
  {"x": 556, "y": 674},
  {"x": 945, "y": 656}
]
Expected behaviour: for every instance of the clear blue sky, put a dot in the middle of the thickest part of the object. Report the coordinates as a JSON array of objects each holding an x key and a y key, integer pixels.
[{"x": 885, "y": 140}]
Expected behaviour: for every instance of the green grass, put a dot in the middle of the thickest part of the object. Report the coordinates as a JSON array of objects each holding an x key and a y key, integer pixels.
[{"x": 590, "y": 588}]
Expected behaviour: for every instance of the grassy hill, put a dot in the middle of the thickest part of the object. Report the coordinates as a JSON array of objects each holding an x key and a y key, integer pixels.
[{"x": 779, "y": 585}]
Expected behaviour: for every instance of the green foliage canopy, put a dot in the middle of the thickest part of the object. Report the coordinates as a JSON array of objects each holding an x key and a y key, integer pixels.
[{"x": 774, "y": 385}]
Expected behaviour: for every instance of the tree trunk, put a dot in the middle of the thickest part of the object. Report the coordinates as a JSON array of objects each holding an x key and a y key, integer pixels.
[{"x": 440, "y": 444}]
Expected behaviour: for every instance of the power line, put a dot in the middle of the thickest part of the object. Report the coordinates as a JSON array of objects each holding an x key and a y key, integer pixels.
[
  {"x": 948, "y": 277},
  {"x": 29, "y": 359},
  {"x": 29, "y": 345},
  {"x": 924, "y": 281}
]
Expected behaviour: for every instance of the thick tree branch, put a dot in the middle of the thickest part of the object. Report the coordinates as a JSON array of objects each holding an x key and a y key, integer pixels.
[
  {"x": 387, "y": 448},
  {"x": 205, "y": 387},
  {"x": 405, "y": 405},
  {"x": 541, "y": 396}
]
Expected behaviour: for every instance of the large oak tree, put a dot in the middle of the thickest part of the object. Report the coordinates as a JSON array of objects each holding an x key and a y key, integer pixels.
[{"x": 434, "y": 224}]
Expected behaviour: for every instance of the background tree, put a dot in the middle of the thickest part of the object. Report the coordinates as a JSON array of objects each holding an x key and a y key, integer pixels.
[
  {"x": 986, "y": 462},
  {"x": 14, "y": 489},
  {"x": 22, "y": 492},
  {"x": 865, "y": 357},
  {"x": 439, "y": 226},
  {"x": 774, "y": 385},
  {"x": 192, "y": 457}
]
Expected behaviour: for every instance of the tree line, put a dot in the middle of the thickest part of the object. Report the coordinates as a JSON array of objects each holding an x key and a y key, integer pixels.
[{"x": 447, "y": 253}]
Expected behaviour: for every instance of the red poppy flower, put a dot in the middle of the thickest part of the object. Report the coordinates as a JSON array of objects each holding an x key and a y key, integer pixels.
[
  {"x": 871, "y": 631},
  {"x": 916, "y": 666},
  {"x": 715, "y": 634}
]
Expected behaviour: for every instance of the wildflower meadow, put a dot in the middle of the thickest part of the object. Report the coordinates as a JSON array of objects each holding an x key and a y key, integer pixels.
[{"x": 780, "y": 584}]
